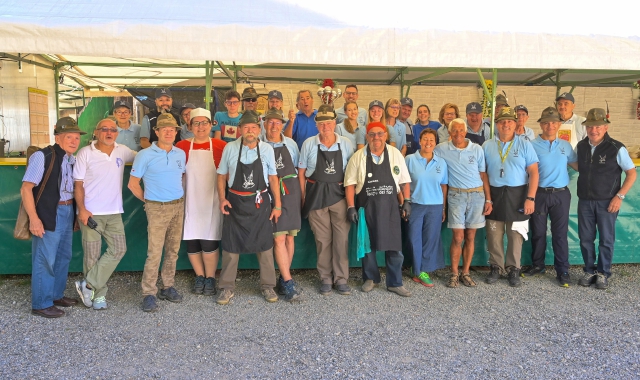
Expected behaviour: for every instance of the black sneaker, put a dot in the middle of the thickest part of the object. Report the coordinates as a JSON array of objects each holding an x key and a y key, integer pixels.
[
  {"x": 533, "y": 270},
  {"x": 601, "y": 281},
  {"x": 291, "y": 294},
  {"x": 170, "y": 294},
  {"x": 149, "y": 304},
  {"x": 564, "y": 280},
  {"x": 494, "y": 276},
  {"x": 209, "y": 286},
  {"x": 198, "y": 285},
  {"x": 280, "y": 287},
  {"x": 514, "y": 277},
  {"x": 587, "y": 279}
]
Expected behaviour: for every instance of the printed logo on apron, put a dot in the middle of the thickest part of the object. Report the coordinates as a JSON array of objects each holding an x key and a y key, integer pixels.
[
  {"x": 248, "y": 181},
  {"x": 330, "y": 169},
  {"x": 279, "y": 164}
]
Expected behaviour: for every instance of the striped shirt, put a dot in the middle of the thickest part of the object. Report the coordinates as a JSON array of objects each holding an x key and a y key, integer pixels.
[{"x": 35, "y": 173}]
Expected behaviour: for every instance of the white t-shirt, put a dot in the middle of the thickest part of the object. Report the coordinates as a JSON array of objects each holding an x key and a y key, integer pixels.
[
  {"x": 102, "y": 177},
  {"x": 357, "y": 168}
]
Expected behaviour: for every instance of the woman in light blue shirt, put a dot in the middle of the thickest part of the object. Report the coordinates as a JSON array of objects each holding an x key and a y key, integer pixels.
[
  {"x": 349, "y": 127},
  {"x": 429, "y": 180}
]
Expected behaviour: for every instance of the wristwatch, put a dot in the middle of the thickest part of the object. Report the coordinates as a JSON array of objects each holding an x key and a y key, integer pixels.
[
  {"x": 621, "y": 196},
  {"x": 532, "y": 199},
  {"x": 488, "y": 201}
]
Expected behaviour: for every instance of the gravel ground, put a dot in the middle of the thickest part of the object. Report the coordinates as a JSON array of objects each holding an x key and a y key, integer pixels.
[{"x": 537, "y": 331}]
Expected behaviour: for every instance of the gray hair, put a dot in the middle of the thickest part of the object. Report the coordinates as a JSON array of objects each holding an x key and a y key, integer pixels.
[
  {"x": 301, "y": 92},
  {"x": 456, "y": 121}
]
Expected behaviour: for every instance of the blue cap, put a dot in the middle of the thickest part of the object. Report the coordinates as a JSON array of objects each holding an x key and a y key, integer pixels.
[
  {"x": 567, "y": 96},
  {"x": 406, "y": 102},
  {"x": 163, "y": 92},
  {"x": 275, "y": 94},
  {"x": 474, "y": 107},
  {"x": 121, "y": 103},
  {"x": 521, "y": 107},
  {"x": 376, "y": 103}
]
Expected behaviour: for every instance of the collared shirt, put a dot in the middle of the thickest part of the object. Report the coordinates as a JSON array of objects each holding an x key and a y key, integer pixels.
[
  {"x": 291, "y": 145},
  {"x": 102, "y": 177},
  {"x": 517, "y": 160},
  {"x": 342, "y": 131},
  {"x": 427, "y": 178},
  {"x": 572, "y": 130},
  {"x": 464, "y": 165},
  {"x": 35, "y": 173},
  {"x": 145, "y": 128},
  {"x": 528, "y": 134},
  {"x": 185, "y": 133},
  {"x": 229, "y": 159},
  {"x": 304, "y": 127},
  {"x": 356, "y": 171},
  {"x": 624, "y": 160},
  {"x": 554, "y": 157},
  {"x": 161, "y": 172},
  {"x": 400, "y": 136},
  {"x": 263, "y": 131},
  {"x": 309, "y": 152},
  {"x": 362, "y": 115},
  {"x": 130, "y": 137}
]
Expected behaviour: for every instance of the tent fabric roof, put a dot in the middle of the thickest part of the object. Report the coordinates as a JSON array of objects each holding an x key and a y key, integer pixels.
[{"x": 537, "y": 35}]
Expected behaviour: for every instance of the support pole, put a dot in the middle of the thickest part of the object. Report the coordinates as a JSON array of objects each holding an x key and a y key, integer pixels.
[
  {"x": 493, "y": 101},
  {"x": 208, "y": 80},
  {"x": 56, "y": 78},
  {"x": 401, "y": 83},
  {"x": 558, "y": 85}
]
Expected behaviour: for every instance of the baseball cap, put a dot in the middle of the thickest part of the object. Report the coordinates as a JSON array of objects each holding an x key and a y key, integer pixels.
[
  {"x": 474, "y": 107},
  {"x": 163, "y": 92},
  {"x": 187, "y": 105},
  {"x": 376, "y": 103},
  {"x": 521, "y": 107},
  {"x": 567, "y": 96},
  {"x": 376, "y": 124},
  {"x": 275, "y": 94},
  {"x": 121, "y": 103},
  {"x": 406, "y": 102}
]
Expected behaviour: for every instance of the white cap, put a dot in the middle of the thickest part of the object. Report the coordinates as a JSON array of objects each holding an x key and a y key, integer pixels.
[{"x": 200, "y": 112}]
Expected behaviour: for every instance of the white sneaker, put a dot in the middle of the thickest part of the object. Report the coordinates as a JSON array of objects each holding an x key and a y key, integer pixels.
[
  {"x": 86, "y": 295},
  {"x": 100, "y": 303}
]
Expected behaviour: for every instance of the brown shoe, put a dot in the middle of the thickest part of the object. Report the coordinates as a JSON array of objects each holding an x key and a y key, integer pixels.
[
  {"x": 50, "y": 312},
  {"x": 466, "y": 280},
  {"x": 65, "y": 302},
  {"x": 453, "y": 281},
  {"x": 399, "y": 290}
]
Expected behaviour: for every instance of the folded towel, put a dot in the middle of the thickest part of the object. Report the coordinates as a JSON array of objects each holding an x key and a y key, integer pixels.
[
  {"x": 364, "y": 242},
  {"x": 522, "y": 228}
]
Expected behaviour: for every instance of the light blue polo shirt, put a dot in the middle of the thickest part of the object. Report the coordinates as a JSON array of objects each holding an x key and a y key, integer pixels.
[
  {"x": 427, "y": 178},
  {"x": 304, "y": 127},
  {"x": 401, "y": 134},
  {"x": 309, "y": 152},
  {"x": 161, "y": 172},
  {"x": 554, "y": 157},
  {"x": 342, "y": 131},
  {"x": 130, "y": 137},
  {"x": 528, "y": 134},
  {"x": 521, "y": 156},
  {"x": 464, "y": 165},
  {"x": 229, "y": 159},
  {"x": 361, "y": 138},
  {"x": 292, "y": 147},
  {"x": 185, "y": 133},
  {"x": 362, "y": 115}
]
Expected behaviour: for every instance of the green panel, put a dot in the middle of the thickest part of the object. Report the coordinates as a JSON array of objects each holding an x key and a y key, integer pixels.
[
  {"x": 16, "y": 255},
  {"x": 96, "y": 110}
]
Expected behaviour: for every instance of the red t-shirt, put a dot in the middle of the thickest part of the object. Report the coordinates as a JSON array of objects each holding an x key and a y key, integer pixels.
[{"x": 217, "y": 145}]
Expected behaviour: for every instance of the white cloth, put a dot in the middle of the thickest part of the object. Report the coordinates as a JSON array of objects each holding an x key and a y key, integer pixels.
[
  {"x": 572, "y": 130},
  {"x": 522, "y": 228},
  {"x": 357, "y": 168},
  {"x": 202, "y": 216}
]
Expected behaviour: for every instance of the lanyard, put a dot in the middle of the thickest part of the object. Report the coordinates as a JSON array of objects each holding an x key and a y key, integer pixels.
[{"x": 501, "y": 147}]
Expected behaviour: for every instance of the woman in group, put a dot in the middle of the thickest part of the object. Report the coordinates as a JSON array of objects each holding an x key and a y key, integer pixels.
[
  {"x": 395, "y": 126},
  {"x": 424, "y": 114},
  {"x": 376, "y": 114},
  {"x": 349, "y": 128},
  {"x": 429, "y": 180},
  {"x": 202, "y": 216},
  {"x": 448, "y": 112}
]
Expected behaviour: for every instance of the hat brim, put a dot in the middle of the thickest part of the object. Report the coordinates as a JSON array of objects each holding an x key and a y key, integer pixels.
[
  {"x": 324, "y": 118},
  {"x": 506, "y": 118},
  {"x": 595, "y": 123},
  {"x": 156, "y": 128},
  {"x": 563, "y": 98},
  {"x": 549, "y": 120},
  {"x": 274, "y": 117},
  {"x": 81, "y": 132}
]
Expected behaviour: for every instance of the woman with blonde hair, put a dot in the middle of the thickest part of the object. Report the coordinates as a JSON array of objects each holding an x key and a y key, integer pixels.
[
  {"x": 395, "y": 126},
  {"x": 349, "y": 127},
  {"x": 376, "y": 114},
  {"x": 448, "y": 112}
]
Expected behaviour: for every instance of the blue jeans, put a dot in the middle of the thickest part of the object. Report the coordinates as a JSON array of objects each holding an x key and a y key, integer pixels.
[
  {"x": 51, "y": 255},
  {"x": 393, "y": 261},
  {"x": 424, "y": 232},
  {"x": 593, "y": 215}
]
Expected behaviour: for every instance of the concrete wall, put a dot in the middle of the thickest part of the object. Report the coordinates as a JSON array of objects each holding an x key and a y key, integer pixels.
[
  {"x": 622, "y": 106},
  {"x": 14, "y": 100}
]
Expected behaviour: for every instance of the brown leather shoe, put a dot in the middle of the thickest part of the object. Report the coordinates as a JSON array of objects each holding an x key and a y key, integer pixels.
[
  {"x": 65, "y": 302},
  {"x": 50, "y": 312}
]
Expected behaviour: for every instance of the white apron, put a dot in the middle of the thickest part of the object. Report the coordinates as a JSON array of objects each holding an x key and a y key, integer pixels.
[{"x": 202, "y": 216}]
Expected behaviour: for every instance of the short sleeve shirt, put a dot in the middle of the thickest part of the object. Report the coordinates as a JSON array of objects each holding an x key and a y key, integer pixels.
[
  {"x": 161, "y": 172},
  {"x": 519, "y": 155},
  {"x": 464, "y": 165},
  {"x": 309, "y": 152},
  {"x": 292, "y": 147},
  {"x": 355, "y": 173},
  {"x": 229, "y": 160},
  {"x": 227, "y": 126},
  {"x": 427, "y": 178},
  {"x": 130, "y": 137},
  {"x": 554, "y": 157}
]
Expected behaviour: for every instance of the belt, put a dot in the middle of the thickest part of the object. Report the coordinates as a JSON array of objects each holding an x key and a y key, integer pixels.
[
  {"x": 552, "y": 189},
  {"x": 478, "y": 189},
  {"x": 66, "y": 203},
  {"x": 176, "y": 201},
  {"x": 313, "y": 181},
  {"x": 283, "y": 187},
  {"x": 258, "y": 195}
]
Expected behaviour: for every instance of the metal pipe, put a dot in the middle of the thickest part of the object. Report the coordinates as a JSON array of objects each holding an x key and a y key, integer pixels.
[
  {"x": 208, "y": 80},
  {"x": 493, "y": 101}
]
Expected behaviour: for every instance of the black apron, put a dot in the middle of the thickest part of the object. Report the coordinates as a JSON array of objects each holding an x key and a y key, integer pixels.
[
  {"x": 380, "y": 201},
  {"x": 478, "y": 139},
  {"x": 324, "y": 188},
  {"x": 412, "y": 147},
  {"x": 290, "y": 193},
  {"x": 507, "y": 200},
  {"x": 247, "y": 228}
]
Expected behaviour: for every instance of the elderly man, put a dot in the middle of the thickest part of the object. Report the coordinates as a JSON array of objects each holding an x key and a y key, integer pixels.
[
  {"x": 350, "y": 94},
  {"x": 128, "y": 132},
  {"x": 469, "y": 197},
  {"x": 250, "y": 99},
  {"x": 552, "y": 198},
  {"x": 302, "y": 125},
  {"x": 47, "y": 196},
  {"x": 274, "y": 100},
  {"x": 323, "y": 159},
  {"x": 164, "y": 101},
  {"x": 161, "y": 167},
  {"x": 522, "y": 115},
  {"x": 248, "y": 166},
  {"x": 601, "y": 161},
  {"x": 511, "y": 164},
  {"x": 225, "y": 123},
  {"x": 572, "y": 129},
  {"x": 288, "y": 224},
  {"x": 371, "y": 172},
  {"x": 477, "y": 130},
  {"x": 185, "y": 115},
  {"x": 98, "y": 175}
]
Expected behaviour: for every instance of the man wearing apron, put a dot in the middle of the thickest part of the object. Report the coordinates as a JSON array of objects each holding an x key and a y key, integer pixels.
[
  {"x": 511, "y": 164},
  {"x": 373, "y": 179},
  {"x": 477, "y": 130},
  {"x": 202, "y": 216},
  {"x": 323, "y": 159},
  {"x": 288, "y": 224},
  {"x": 249, "y": 168},
  {"x": 571, "y": 129}
]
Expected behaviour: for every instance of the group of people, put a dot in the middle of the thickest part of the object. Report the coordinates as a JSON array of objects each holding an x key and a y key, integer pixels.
[{"x": 241, "y": 182}]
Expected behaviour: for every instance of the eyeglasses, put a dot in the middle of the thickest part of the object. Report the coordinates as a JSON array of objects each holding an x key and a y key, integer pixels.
[
  {"x": 205, "y": 123},
  {"x": 232, "y": 102},
  {"x": 350, "y": 93},
  {"x": 105, "y": 130},
  {"x": 127, "y": 112},
  {"x": 449, "y": 114},
  {"x": 394, "y": 107},
  {"x": 376, "y": 134},
  {"x": 250, "y": 100}
]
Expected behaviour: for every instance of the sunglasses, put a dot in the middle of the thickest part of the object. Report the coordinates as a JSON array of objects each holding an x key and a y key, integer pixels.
[
  {"x": 112, "y": 130},
  {"x": 250, "y": 100}
]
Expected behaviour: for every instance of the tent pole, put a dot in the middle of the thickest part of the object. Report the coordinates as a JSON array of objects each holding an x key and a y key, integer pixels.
[
  {"x": 208, "y": 79},
  {"x": 558, "y": 85},
  {"x": 483, "y": 84},
  {"x": 494, "y": 91},
  {"x": 56, "y": 79},
  {"x": 401, "y": 83},
  {"x": 406, "y": 94}
]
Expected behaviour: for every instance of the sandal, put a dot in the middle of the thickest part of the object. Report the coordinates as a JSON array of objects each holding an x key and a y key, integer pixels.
[
  {"x": 453, "y": 281},
  {"x": 466, "y": 280}
]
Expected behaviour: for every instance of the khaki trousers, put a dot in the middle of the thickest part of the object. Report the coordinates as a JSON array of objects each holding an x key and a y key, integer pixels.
[
  {"x": 331, "y": 230},
  {"x": 230, "y": 270},
  {"x": 495, "y": 242},
  {"x": 164, "y": 231}
]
